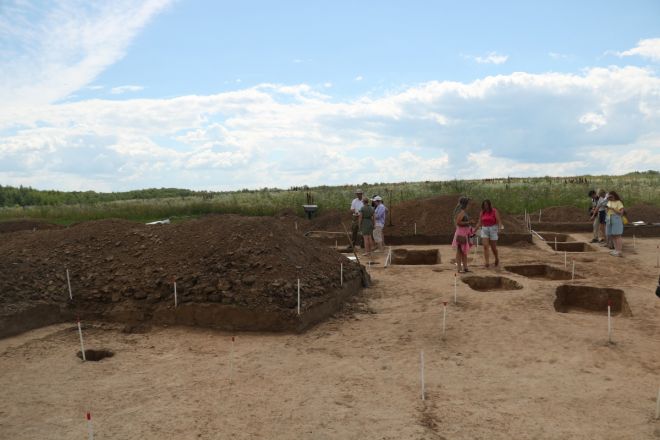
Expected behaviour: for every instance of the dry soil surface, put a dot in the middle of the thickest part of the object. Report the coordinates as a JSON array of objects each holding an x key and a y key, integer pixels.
[{"x": 510, "y": 366}]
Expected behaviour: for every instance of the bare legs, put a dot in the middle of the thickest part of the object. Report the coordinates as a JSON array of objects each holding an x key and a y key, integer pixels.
[
  {"x": 461, "y": 259},
  {"x": 618, "y": 243},
  {"x": 490, "y": 245},
  {"x": 368, "y": 244}
]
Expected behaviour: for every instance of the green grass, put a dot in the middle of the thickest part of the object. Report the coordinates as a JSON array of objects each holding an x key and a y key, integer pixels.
[{"x": 514, "y": 195}]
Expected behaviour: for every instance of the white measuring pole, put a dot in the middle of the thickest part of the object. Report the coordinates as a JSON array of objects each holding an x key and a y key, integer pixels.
[
  {"x": 565, "y": 260},
  {"x": 555, "y": 243},
  {"x": 573, "y": 271},
  {"x": 657, "y": 406},
  {"x": 299, "y": 296},
  {"x": 231, "y": 361},
  {"x": 82, "y": 345},
  {"x": 68, "y": 282},
  {"x": 176, "y": 298},
  {"x": 539, "y": 216},
  {"x": 90, "y": 427},
  {"x": 341, "y": 274},
  {"x": 421, "y": 373},
  {"x": 444, "y": 318},
  {"x": 455, "y": 286},
  {"x": 609, "y": 321}
]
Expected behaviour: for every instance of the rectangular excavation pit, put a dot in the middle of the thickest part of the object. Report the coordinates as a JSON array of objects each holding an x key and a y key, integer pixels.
[
  {"x": 415, "y": 257},
  {"x": 587, "y": 299},
  {"x": 490, "y": 283},
  {"x": 551, "y": 236},
  {"x": 571, "y": 246},
  {"x": 541, "y": 272}
]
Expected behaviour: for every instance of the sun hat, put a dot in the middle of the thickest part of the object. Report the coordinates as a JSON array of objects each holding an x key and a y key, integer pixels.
[
  {"x": 377, "y": 199},
  {"x": 358, "y": 191}
]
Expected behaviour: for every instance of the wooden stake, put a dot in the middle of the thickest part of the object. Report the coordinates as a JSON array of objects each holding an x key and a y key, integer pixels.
[
  {"x": 82, "y": 345},
  {"x": 565, "y": 260},
  {"x": 341, "y": 274},
  {"x": 415, "y": 229},
  {"x": 609, "y": 321},
  {"x": 298, "y": 296},
  {"x": 421, "y": 373},
  {"x": 657, "y": 406},
  {"x": 231, "y": 361},
  {"x": 90, "y": 427},
  {"x": 176, "y": 299},
  {"x": 573, "y": 271},
  {"x": 455, "y": 286},
  {"x": 444, "y": 318},
  {"x": 68, "y": 282}
]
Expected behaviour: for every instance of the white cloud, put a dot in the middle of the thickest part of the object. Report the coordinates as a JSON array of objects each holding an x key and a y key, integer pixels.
[
  {"x": 57, "y": 50},
  {"x": 359, "y": 78},
  {"x": 490, "y": 58},
  {"x": 123, "y": 89},
  {"x": 327, "y": 84},
  {"x": 557, "y": 56},
  {"x": 283, "y": 135},
  {"x": 648, "y": 48}
]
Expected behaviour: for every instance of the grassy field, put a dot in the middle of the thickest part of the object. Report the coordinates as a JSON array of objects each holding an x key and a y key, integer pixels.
[{"x": 513, "y": 195}]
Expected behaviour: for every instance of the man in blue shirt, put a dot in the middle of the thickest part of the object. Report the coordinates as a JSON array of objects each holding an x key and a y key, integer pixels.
[{"x": 379, "y": 217}]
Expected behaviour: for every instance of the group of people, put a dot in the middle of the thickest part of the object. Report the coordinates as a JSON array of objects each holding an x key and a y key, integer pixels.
[
  {"x": 608, "y": 216},
  {"x": 368, "y": 222},
  {"x": 488, "y": 225}
]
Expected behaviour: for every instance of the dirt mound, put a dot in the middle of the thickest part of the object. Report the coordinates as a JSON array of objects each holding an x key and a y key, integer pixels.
[
  {"x": 25, "y": 225},
  {"x": 563, "y": 214},
  {"x": 432, "y": 216},
  {"x": 644, "y": 212},
  {"x": 122, "y": 270}
]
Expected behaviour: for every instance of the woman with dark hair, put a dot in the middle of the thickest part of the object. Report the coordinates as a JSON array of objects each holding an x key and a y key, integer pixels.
[
  {"x": 615, "y": 222},
  {"x": 366, "y": 222},
  {"x": 461, "y": 241},
  {"x": 489, "y": 221}
]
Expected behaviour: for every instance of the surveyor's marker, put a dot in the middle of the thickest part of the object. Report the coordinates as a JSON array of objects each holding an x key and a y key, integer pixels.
[
  {"x": 82, "y": 345},
  {"x": 539, "y": 216},
  {"x": 455, "y": 286},
  {"x": 90, "y": 427},
  {"x": 565, "y": 260},
  {"x": 555, "y": 243},
  {"x": 176, "y": 298},
  {"x": 299, "y": 296},
  {"x": 421, "y": 372},
  {"x": 231, "y": 361},
  {"x": 341, "y": 274},
  {"x": 68, "y": 282},
  {"x": 609, "y": 320},
  {"x": 573, "y": 271},
  {"x": 444, "y": 318}
]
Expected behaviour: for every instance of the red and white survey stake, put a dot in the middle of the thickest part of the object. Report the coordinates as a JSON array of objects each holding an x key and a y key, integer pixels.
[
  {"x": 90, "y": 427},
  {"x": 444, "y": 318},
  {"x": 82, "y": 345}
]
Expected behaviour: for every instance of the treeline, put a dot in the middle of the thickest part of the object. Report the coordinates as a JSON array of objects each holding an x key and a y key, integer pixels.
[{"x": 26, "y": 196}]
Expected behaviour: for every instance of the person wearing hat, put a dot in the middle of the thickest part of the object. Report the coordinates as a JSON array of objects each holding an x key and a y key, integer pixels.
[
  {"x": 379, "y": 217},
  {"x": 356, "y": 205}
]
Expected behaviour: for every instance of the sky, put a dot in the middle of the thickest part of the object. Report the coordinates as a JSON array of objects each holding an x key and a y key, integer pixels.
[{"x": 218, "y": 95}]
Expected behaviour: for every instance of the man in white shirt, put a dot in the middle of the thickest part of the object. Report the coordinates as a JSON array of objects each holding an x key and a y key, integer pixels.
[
  {"x": 356, "y": 204},
  {"x": 379, "y": 217}
]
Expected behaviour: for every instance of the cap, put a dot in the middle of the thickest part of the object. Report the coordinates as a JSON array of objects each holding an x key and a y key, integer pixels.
[
  {"x": 378, "y": 199},
  {"x": 358, "y": 191}
]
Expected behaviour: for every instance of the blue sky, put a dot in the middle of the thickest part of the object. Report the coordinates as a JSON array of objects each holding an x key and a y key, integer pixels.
[{"x": 121, "y": 95}]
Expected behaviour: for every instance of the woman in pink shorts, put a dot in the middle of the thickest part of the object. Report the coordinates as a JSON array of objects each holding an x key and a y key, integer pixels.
[
  {"x": 461, "y": 241},
  {"x": 489, "y": 221}
]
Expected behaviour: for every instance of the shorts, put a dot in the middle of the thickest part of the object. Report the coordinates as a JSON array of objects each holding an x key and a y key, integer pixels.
[
  {"x": 378, "y": 234},
  {"x": 602, "y": 215},
  {"x": 614, "y": 225},
  {"x": 489, "y": 232}
]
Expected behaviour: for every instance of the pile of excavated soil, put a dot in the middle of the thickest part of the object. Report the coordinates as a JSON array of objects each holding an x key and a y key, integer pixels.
[
  {"x": 25, "y": 225},
  {"x": 433, "y": 216},
  {"x": 644, "y": 212},
  {"x": 563, "y": 214},
  {"x": 126, "y": 269}
]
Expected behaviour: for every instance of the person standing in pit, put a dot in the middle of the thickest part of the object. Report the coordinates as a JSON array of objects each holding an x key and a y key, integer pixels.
[
  {"x": 379, "y": 217},
  {"x": 489, "y": 221},
  {"x": 615, "y": 222},
  {"x": 593, "y": 215},
  {"x": 461, "y": 241},
  {"x": 356, "y": 205},
  {"x": 602, "y": 214},
  {"x": 366, "y": 220}
]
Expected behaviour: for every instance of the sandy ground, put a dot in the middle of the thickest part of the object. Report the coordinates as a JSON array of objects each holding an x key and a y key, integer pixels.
[{"x": 509, "y": 367}]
